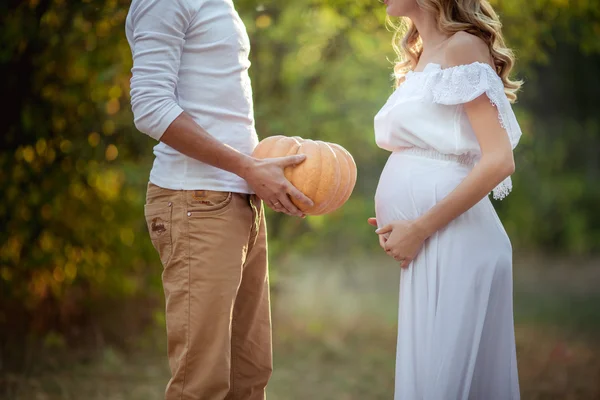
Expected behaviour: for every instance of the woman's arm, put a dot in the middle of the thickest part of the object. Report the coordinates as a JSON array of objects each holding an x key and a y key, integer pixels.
[
  {"x": 495, "y": 165},
  {"x": 497, "y": 162}
]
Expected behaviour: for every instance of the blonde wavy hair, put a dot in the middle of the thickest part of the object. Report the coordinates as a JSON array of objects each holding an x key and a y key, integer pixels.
[{"x": 476, "y": 17}]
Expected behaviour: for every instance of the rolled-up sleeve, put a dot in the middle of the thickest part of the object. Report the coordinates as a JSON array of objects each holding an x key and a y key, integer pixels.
[{"x": 158, "y": 29}]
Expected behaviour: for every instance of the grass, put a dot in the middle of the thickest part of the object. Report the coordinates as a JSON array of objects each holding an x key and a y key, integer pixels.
[{"x": 335, "y": 330}]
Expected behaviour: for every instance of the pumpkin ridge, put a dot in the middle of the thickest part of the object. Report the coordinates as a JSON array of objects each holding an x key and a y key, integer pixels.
[
  {"x": 331, "y": 190},
  {"x": 345, "y": 179}
]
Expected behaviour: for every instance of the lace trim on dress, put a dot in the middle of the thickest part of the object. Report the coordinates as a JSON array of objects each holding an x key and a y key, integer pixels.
[
  {"x": 503, "y": 189},
  {"x": 464, "y": 83}
]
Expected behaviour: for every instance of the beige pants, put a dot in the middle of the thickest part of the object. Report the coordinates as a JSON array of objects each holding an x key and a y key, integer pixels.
[{"x": 214, "y": 252}]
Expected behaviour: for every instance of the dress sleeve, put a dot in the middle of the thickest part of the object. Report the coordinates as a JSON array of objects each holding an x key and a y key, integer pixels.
[{"x": 464, "y": 83}]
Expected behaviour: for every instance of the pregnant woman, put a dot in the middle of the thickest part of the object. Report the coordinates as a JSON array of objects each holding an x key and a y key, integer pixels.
[{"x": 451, "y": 131}]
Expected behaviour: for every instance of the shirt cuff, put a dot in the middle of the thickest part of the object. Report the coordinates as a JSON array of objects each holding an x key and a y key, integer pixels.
[{"x": 166, "y": 121}]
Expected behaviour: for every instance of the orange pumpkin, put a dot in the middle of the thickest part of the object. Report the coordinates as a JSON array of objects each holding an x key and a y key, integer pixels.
[{"x": 327, "y": 176}]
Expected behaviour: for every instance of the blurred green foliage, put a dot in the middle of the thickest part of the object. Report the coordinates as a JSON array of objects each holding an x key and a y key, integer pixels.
[{"x": 73, "y": 169}]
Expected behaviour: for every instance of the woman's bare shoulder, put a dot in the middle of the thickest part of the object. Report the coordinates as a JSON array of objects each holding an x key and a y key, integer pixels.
[{"x": 464, "y": 48}]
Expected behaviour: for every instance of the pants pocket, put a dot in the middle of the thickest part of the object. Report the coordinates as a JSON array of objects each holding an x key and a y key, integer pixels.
[
  {"x": 159, "y": 220},
  {"x": 208, "y": 202}
]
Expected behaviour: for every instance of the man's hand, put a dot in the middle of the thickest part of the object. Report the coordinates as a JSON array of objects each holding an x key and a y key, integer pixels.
[{"x": 266, "y": 178}]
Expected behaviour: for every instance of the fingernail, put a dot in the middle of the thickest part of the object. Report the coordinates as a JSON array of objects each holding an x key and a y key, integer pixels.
[{"x": 377, "y": 231}]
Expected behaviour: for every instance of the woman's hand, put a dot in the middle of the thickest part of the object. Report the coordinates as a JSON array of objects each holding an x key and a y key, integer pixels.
[
  {"x": 403, "y": 241},
  {"x": 382, "y": 238}
]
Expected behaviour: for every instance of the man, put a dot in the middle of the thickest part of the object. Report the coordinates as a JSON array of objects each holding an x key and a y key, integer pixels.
[{"x": 191, "y": 91}]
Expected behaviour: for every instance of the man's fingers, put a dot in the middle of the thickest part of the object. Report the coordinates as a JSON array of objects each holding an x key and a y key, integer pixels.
[
  {"x": 298, "y": 195},
  {"x": 291, "y": 161},
  {"x": 274, "y": 205},
  {"x": 372, "y": 222},
  {"x": 289, "y": 207}
]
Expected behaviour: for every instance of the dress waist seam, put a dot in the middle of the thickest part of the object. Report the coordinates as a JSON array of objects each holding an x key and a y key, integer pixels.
[{"x": 464, "y": 159}]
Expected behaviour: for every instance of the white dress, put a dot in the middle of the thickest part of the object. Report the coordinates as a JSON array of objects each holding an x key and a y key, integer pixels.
[{"x": 455, "y": 321}]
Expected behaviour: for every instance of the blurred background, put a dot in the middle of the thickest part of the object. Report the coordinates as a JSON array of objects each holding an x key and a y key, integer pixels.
[{"x": 81, "y": 305}]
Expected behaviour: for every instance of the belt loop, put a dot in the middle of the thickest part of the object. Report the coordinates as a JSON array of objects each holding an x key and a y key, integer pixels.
[
  {"x": 255, "y": 211},
  {"x": 255, "y": 217}
]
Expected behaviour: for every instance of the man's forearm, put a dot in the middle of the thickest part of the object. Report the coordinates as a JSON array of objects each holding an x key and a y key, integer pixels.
[{"x": 187, "y": 137}]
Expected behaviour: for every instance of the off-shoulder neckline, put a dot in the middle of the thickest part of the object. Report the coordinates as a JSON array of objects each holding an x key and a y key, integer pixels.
[{"x": 436, "y": 68}]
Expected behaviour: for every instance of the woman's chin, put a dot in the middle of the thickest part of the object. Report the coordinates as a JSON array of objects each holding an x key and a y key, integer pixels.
[{"x": 391, "y": 12}]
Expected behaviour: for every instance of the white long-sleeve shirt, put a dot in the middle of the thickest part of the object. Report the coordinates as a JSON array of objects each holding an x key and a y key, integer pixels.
[{"x": 191, "y": 55}]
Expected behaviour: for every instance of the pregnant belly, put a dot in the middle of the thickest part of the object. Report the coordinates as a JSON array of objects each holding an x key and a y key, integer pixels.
[{"x": 411, "y": 184}]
